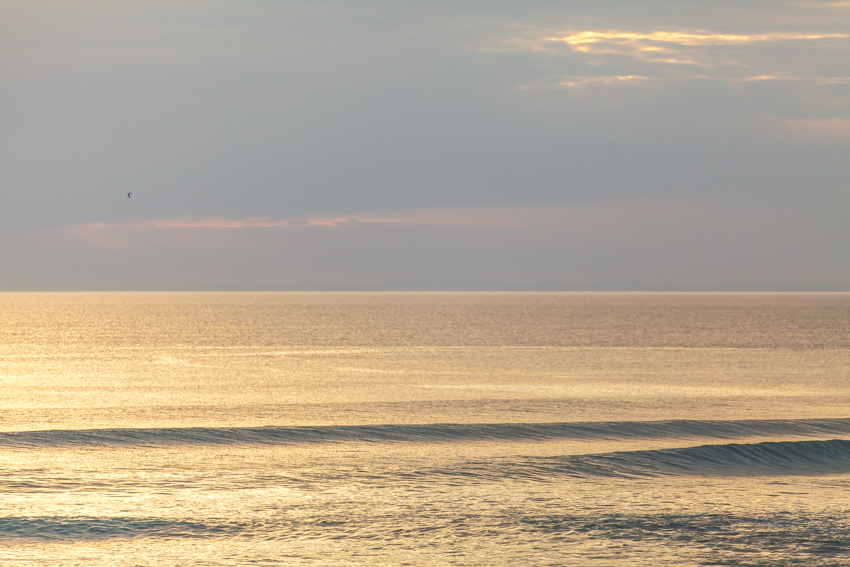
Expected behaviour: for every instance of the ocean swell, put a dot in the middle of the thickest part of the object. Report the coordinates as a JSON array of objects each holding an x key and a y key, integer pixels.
[
  {"x": 756, "y": 459},
  {"x": 428, "y": 433}
]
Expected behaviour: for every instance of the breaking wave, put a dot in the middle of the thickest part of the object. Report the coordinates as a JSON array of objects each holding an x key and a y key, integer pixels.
[{"x": 756, "y": 459}]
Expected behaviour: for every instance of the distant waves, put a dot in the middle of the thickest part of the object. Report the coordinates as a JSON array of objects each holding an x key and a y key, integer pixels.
[
  {"x": 61, "y": 528},
  {"x": 823, "y": 536},
  {"x": 435, "y": 433},
  {"x": 773, "y": 457}
]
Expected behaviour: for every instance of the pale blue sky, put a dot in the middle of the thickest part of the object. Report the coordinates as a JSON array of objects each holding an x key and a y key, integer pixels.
[{"x": 379, "y": 145}]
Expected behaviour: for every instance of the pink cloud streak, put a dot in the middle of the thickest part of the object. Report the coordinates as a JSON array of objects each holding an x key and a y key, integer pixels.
[{"x": 580, "y": 221}]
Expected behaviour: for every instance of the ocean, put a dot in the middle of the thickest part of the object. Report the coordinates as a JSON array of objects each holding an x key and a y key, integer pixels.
[{"x": 425, "y": 429}]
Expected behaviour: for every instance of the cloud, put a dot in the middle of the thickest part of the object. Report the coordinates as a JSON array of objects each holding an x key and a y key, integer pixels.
[
  {"x": 497, "y": 217},
  {"x": 690, "y": 55},
  {"x": 214, "y": 223},
  {"x": 685, "y": 242},
  {"x": 577, "y": 82},
  {"x": 608, "y": 220},
  {"x": 653, "y": 42}
]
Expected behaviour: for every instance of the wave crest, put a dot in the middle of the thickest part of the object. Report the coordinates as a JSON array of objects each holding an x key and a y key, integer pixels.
[
  {"x": 432, "y": 433},
  {"x": 756, "y": 459}
]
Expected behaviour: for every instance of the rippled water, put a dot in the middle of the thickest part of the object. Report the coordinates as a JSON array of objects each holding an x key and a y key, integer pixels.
[{"x": 426, "y": 429}]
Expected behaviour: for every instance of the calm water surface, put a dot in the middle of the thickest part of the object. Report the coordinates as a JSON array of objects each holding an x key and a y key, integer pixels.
[{"x": 424, "y": 429}]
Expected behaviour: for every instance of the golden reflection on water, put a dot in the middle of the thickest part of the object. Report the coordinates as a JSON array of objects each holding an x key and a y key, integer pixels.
[{"x": 136, "y": 363}]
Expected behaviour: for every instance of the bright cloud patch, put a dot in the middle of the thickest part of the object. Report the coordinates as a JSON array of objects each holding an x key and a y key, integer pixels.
[
  {"x": 696, "y": 55},
  {"x": 583, "y": 41}
]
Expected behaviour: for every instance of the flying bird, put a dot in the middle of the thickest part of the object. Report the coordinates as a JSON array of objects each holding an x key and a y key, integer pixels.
[{"x": 128, "y": 194}]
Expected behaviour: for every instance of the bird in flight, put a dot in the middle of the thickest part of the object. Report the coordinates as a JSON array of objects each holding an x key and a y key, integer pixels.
[{"x": 128, "y": 194}]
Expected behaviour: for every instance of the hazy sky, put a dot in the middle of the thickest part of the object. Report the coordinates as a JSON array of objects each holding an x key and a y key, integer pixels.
[{"x": 430, "y": 145}]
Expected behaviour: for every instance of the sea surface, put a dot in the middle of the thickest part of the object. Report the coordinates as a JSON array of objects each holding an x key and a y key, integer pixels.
[{"x": 424, "y": 429}]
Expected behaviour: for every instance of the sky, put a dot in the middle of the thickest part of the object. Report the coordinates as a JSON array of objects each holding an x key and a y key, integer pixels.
[{"x": 380, "y": 145}]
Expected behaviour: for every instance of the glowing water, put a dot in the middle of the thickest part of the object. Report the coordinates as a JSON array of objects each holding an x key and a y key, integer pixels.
[{"x": 486, "y": 429}]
